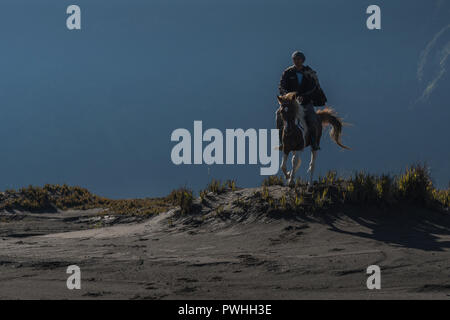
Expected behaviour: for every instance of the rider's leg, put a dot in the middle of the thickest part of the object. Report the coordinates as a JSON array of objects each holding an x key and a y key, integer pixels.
[{"x": 313, "y": 123}]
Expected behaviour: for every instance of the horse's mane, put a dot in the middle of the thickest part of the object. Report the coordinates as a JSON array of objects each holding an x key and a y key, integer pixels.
[{"x": 292, "y": 104}]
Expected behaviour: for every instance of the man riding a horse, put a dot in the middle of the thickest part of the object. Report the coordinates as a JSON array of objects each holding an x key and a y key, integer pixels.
[
  {"x": 300, "y": 92},
  {"x": 303, "y": 80}
]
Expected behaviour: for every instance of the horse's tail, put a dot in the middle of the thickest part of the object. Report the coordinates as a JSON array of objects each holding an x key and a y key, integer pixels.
[{"x": 329, "y": 116}]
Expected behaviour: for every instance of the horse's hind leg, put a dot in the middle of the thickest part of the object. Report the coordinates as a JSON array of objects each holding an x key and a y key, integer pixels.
[
  {"x": 296, "y": 162},
  {"x": 283, "y": 165},
  {"x": 312, "y": 164}
]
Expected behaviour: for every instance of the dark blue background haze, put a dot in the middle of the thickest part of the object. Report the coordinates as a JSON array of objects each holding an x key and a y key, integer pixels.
[{"x": 96, "y": 107}]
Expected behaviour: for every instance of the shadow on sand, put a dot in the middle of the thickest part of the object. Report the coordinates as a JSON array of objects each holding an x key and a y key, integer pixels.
[{"x": 405, "y": 227}]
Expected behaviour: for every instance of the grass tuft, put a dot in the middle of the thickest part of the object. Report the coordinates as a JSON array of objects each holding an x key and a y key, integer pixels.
[
  {"x": 273, "y": 181},
  {"x": 413, "y": 186}
]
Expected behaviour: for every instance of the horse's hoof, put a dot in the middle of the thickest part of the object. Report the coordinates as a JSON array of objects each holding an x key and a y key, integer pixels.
[{"x": 287, "y": 176}]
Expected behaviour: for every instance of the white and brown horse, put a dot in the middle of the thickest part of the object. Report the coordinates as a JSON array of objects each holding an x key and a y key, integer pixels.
[{"x": 294, "y": 138}]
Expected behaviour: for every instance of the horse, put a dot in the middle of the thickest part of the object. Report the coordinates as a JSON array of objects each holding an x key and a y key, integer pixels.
[{"x": 294, "y": 138}]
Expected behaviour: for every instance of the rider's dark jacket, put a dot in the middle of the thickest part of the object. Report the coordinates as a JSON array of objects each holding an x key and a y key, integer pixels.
[{"x": 307, "y": 88}]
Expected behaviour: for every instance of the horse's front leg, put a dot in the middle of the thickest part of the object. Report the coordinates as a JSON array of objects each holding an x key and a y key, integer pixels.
[
  {"x": 283, "y": 165},
  {"x": 312, "y": 164},
  {"x": 296, "y": 162}
]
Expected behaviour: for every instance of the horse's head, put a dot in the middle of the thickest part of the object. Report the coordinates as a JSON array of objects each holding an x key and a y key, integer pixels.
[{"x": 288, "y": 106}]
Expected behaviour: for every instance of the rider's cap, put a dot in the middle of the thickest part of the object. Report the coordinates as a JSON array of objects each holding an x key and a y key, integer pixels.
[{"x": 298, "y": 54}]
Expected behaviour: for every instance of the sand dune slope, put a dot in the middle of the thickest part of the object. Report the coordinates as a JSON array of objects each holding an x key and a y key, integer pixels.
[{"x": 226, "y": 254}]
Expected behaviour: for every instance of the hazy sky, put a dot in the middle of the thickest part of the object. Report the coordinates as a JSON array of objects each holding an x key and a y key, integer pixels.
[{"x": 96, "y": 107}]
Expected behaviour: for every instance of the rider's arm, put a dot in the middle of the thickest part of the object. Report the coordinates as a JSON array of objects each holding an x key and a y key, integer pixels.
[
  {"x": 309, "y": 88},
  {"x": 283, "y": 83}
]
